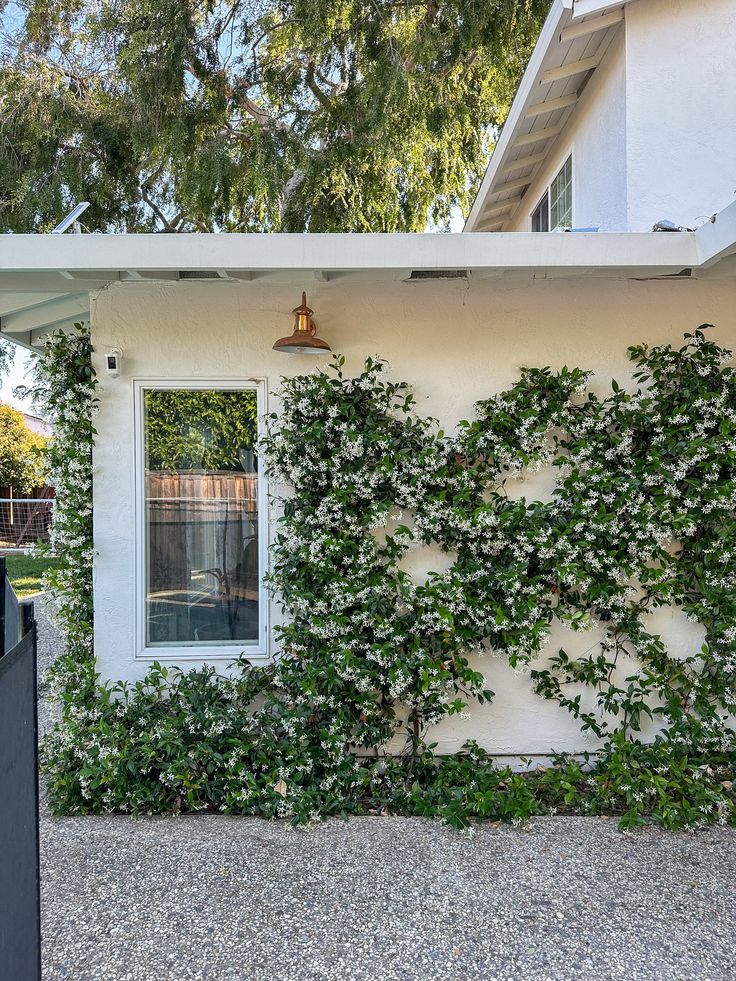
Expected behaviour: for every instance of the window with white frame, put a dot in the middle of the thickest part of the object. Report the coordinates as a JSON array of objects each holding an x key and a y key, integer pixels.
[
  {"x": 540, "y": 215},
  {"x": 203, "y": 517},
  {"x": 554, "y": 211}
]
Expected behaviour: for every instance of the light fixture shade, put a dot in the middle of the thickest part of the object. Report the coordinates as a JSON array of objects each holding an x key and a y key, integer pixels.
[{"x": 304, "y": 339}]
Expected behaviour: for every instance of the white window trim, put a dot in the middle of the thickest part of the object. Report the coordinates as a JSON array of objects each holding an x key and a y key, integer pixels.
[
  {"x": 546, "y": 188},
  {"x": 258, "y": 652}
]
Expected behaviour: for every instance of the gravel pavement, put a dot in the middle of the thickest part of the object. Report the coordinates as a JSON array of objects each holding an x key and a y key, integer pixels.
[{"x": 208, "y": 897}]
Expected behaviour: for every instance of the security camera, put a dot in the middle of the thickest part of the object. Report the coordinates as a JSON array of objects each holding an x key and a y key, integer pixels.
[{"x": 112, "y": 362}]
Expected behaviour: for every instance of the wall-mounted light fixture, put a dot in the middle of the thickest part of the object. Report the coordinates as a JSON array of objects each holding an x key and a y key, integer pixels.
[{"x": 304, "y": 339}]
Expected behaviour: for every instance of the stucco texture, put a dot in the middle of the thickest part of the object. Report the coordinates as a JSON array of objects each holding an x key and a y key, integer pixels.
[
  {"x": 595, "y": 136},
  {"x": 654, "y": 131},
  {"x": 680, "y": 110},
  {"x": 454, "y": 342}
]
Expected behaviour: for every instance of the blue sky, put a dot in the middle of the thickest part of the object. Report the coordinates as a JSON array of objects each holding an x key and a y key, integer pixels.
[{"x": 17, "y": 376}]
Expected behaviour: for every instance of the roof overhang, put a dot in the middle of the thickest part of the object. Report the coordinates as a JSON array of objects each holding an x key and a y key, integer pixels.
[
  {"x": 571, "y": 45},
  {"x": 46, "y": 280}
]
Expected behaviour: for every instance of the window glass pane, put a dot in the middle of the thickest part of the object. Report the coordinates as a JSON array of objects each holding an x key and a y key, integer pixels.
[
  {"x": 201, "y": 515},
  {"x": 540, "y": 215},
  {"x": 560, "y": 191}
]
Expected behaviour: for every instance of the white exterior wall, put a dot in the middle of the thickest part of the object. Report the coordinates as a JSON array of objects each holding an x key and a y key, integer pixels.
[
  {"x": 681, "y": 110},
  {"x": 454, "y": 343},
  {"x": 653, "y": 135},
  {"x": 596, "y": 137}
]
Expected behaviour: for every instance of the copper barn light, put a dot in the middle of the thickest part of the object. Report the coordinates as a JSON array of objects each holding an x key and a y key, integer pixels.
[{"x": 304, "y": 339}]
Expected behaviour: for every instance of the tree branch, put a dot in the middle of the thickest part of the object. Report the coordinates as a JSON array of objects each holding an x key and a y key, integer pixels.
[
  {"x": 159, "y": 213},
  {"x": 316, "y": 91}
]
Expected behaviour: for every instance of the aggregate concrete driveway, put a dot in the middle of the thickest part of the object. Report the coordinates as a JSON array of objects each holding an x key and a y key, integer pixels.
[
  {"x": 565, "y": 899},
  {"x": 384, "y": 898}
]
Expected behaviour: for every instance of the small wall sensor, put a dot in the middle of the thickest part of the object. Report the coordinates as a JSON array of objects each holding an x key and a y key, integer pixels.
[{"x": 112, "y": 362}]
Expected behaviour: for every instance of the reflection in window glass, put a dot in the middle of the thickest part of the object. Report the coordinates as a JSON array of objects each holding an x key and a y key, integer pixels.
[
  {"x": 540, "y": 215},
  {"x": 201, "y": 517},
  {"x": 560, "y": 198}
]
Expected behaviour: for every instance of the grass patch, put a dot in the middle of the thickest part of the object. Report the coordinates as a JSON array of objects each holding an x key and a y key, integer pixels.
[{"x": 25, "y": 572}]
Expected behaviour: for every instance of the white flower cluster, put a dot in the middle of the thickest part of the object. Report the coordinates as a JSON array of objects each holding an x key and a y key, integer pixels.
[{"x": 631, "y": 497}]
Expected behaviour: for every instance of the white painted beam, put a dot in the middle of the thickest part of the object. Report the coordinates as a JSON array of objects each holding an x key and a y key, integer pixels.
[
  {"x": 41, "y": 333},
  {"x": 512, "y": 185},
  {"x": 21, "y": 340},
  {"x": 567, "y": 71},
  {"x": 496, "y": 209},
  {"x": 551, "y": 105},
  {"x": 81, "y": 276},
  {"x": 13, "y": 302},
  {"x": 521, "y": 162},
  {"x": 46, "y": 313},
  {"x": 50, "y": 282},
  {"x": 586, "y": 27},
  {"x": 537, "y": 136}
]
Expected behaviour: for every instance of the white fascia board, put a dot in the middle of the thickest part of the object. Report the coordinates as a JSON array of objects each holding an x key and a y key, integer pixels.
[
  {"x": 528, "y": 85},
  {"x": 717, "y": 238},
  {"x": 44, "y": 255},
  {"x": 585, "y": 8}
]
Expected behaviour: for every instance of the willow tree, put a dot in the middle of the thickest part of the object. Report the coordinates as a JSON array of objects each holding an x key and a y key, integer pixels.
[{"x": 244, "y": 115}]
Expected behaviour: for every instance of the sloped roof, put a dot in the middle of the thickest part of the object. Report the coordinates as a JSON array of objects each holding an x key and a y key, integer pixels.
[{"x": 571, "y": 45}]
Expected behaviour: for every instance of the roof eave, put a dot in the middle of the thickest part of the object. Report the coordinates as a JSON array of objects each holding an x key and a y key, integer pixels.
[
  {"x": 568, "y": 23},
  {"x": 550, "y": 31},
  {"x": 46, "y": 280}
]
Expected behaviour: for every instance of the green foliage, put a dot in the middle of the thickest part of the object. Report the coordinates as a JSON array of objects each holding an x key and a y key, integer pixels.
[
  {"x": 642, "y": 517},
  {"x": 7, "y": 355},
  {"x": 21, "y": 461},
  {"x": 243, "y": 116},
  {"x": 65, "y": 391},
  {"x": 189, "y": 429}
]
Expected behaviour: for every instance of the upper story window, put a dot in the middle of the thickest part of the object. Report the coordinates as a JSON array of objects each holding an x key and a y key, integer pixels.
[
  {"x": 554, "y": 211},
  {"x": 540, "y": 215}
]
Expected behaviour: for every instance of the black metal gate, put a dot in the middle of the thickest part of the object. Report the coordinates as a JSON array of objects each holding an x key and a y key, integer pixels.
[{"x": 20, "y": 907}]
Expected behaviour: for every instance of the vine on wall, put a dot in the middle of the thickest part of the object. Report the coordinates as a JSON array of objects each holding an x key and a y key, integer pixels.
[
  {"x": 642, "y": 516},
  {"x": 64, "y": 390}
]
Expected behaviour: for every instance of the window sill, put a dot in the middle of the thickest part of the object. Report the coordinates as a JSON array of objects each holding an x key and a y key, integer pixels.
[{"x": 256, "y": 653}]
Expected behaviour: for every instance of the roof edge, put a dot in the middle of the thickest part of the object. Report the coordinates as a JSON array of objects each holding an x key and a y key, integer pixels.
[
  {"x": 550, "y": 31},
  {"x": 562, "y": 18}
]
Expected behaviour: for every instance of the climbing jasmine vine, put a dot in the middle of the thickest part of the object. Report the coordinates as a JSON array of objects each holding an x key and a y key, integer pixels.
[{"x": 642, "y": 516}]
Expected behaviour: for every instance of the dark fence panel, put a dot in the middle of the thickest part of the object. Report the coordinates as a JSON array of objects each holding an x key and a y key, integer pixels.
[{"x": 20, "y": 908}]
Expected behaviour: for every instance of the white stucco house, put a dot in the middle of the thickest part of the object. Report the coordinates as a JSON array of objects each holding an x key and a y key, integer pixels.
[{"x": 625, "y": 117}]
